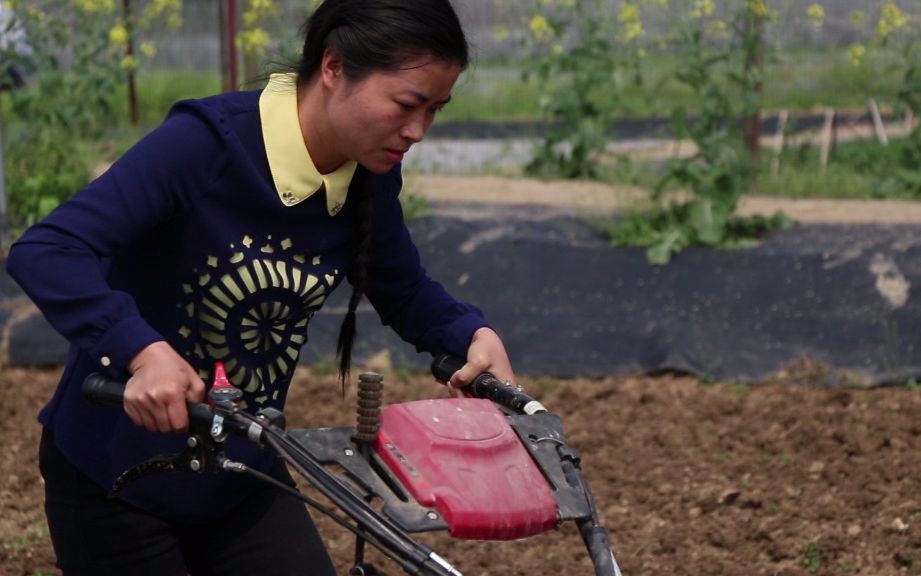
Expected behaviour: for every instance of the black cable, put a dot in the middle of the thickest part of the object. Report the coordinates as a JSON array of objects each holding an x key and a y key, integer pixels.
[
  {"x": 332, "y": 514},
  {"x": 414, "y": 557},
  {"x": 374, "y": 539},
  {"x": 417, "y": 554}
]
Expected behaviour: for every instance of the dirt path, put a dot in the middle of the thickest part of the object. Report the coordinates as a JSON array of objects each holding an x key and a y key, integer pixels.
[{"x": 592, "y": 197}]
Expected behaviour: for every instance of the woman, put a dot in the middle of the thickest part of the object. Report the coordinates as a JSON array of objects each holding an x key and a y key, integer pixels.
[{"x": 216, "y": 238}]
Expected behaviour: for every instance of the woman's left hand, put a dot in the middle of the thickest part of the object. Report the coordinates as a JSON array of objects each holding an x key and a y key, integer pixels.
[{"x": 485, "y": 354}]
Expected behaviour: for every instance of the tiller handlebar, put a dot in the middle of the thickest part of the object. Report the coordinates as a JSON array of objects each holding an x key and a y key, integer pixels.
[{"x": 494, "y": 465}]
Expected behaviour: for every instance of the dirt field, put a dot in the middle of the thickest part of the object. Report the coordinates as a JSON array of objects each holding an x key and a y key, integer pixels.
[{"x": 689, "y": 477}]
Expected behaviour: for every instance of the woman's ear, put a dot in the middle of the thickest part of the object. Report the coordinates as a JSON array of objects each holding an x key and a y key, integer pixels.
[{"x": 331, "y": 69}]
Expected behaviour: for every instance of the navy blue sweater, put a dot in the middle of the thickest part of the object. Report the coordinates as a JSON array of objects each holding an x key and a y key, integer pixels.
[{"x": 185, "y": 239}]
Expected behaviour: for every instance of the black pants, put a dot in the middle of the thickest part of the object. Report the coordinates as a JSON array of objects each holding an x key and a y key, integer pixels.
[{"x": 269, "y": 533}]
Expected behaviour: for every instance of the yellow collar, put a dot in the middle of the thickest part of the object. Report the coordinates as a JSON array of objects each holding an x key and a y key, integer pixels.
[{"x": 295, "y": 176}]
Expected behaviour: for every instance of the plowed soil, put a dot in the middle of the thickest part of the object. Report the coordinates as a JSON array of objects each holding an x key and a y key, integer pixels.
[{"x": 690, "y": 477}]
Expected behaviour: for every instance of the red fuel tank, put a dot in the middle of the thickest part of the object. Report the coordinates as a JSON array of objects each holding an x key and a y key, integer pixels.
[{"x": 461, "y": 457}]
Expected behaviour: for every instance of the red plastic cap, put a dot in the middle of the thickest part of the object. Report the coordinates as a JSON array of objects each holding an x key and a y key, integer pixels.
[{"x": 220, "y": 377}]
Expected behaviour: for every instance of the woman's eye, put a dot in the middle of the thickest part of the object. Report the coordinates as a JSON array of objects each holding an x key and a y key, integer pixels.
[{"x": 406, "y": 107}]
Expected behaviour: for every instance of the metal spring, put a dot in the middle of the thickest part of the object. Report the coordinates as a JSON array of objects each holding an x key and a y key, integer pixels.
[{"x": 370, "y": 394}]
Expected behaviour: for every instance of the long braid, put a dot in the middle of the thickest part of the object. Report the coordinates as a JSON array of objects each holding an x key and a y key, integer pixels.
[
  {"x": 375, "y": 36},
  {"x": 359, "y": 275}
]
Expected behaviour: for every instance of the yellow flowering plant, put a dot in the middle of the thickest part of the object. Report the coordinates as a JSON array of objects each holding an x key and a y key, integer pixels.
[
  {"x": 897, "y": 29},
  {"x": 266, "y": 38},
  {"x": 253, "y": 39},
  {"x": 75, "y": 59},
  {"x": 721, "y": 73},
  {"x": 584, "y": 54}
]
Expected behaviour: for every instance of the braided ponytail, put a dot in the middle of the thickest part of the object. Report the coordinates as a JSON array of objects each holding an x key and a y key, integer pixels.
[{"x": 359, "y": 275}]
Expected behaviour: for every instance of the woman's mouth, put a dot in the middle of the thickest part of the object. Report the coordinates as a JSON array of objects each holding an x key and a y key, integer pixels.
[{"x": 395, "y": 155}]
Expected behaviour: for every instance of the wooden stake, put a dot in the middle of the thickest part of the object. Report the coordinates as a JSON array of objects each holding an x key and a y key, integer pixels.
[
  {"x": 779, "y": 141},
  {"x": 134, "y": 114},
  {"x": 754, "y": 66},
  {"x": 4, "y": 218},
  {"x": 878, "y": 123},
  {"x": 828, "y": 138},
  {"x": 227, "y": 24}
]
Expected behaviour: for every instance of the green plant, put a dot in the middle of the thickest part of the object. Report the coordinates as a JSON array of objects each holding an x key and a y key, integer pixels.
[
  {"x": 16, "y": 543},
  {"x": 23, "y": 541},
  {"x": 595, "y": 54},
  {"x": 892, "y": 27},
  {"x": 722, "y": 79},
  {"x": 414, "y": 207},
  {"x": 811, "y": 558},
  {"x": 738, "y": 389},
  {"x": 63, "y": 104},
  {"x": 158, "y": 90},
  {"x": 855, "y": 170},
  {"x": 893, "y": 51},
  {"x": 76, "y": 57},
  {"x": 665, "y": 232}
]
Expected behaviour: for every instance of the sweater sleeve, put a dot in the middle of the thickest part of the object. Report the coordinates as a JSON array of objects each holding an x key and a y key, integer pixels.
[
  {"x": 418, "y": 308},
  {"x": 61, "y": 261}
]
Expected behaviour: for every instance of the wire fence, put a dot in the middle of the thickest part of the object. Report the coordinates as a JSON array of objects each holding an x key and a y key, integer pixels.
[{"x": 196, "y": 45}]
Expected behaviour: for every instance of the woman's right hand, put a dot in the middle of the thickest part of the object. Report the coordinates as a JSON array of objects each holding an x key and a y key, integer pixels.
[{"x": 161, "y": 384}]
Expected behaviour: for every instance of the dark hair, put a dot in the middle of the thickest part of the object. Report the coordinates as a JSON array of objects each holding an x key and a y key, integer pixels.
[
  {"x": 369, "y": 36},
  {"x": 372, "y": 35},
  {"x": 358, "y": 276}
]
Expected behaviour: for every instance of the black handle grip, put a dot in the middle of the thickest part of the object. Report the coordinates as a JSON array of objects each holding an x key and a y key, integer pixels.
[
  {"x": 486, "y": 386},
  {"x": 599, "y": 547},
  {"x": 103, "y": 391},
  {"x": 109, "y": 393},
  {"x": 445, "y": 365}
]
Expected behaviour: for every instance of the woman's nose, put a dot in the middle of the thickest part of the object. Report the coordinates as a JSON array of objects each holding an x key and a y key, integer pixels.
[{"x": 414, "y": 130}]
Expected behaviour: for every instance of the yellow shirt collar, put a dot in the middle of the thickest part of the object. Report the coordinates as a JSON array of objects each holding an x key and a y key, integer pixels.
[{"x": 293, "y": 171}]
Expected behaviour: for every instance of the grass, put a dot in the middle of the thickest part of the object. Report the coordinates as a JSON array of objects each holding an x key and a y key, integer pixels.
[
  {"x": 840, "y": 181},
  {"x": 158, "y": 90},
  {"x": 414, "y": 207},
  {"x": 25, "y": 540},
  {"x": 493, "y": 90},
  {"x": 738, "y": 389},
  {"x": 811, "y": 558},
  {"x": 856, "y": 170},
  {"x": 809, "y": 79}
]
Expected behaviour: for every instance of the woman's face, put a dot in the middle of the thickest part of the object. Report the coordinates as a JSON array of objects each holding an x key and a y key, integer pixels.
[{"x": 375, "y": 120}]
